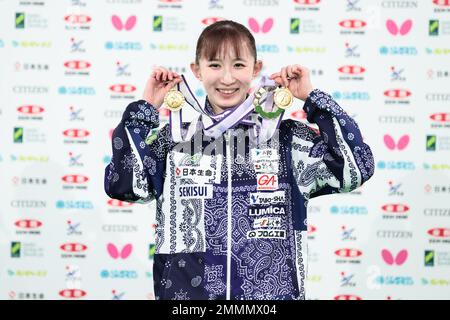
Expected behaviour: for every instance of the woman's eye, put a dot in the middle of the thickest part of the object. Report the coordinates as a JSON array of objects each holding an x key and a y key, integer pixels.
[
  {"x": 214, "y": 65},
  {"x": 239, "y": 64}
]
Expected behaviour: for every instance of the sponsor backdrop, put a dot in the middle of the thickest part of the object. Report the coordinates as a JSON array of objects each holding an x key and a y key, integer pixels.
[{"x": 70, "y": 67}]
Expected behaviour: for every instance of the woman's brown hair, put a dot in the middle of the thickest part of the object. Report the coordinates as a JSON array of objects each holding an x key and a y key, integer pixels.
[{"x": 219, "y": 35}]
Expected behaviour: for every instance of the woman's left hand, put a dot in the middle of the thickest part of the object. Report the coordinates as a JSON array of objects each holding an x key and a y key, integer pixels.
[{"x": 296, "y": 78}]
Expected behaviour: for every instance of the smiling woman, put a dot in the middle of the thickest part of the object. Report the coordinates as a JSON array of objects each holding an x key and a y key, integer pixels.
[
  {"x": 226, "y": 63},
  {"x": 233, "y": 224}
]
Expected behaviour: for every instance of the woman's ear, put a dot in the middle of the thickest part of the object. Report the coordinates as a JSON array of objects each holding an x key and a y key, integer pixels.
[
  {"x": 257, "y": 68},
  {"x": 196, "y": 71}
]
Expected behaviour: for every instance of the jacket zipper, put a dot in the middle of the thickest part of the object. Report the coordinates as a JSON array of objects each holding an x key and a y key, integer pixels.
[{"x": 229, "y": 235}]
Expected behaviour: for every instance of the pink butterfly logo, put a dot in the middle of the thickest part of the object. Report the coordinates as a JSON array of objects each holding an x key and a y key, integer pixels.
[
  {"x": 400, "y": 145},
  {"x": 399, "y": 259},
  {"x": 394, "y": 29},
  {"x": 266, "y": 26},
  {"x": 115, "y": 254},
  {"x": 118, "y": 24}
]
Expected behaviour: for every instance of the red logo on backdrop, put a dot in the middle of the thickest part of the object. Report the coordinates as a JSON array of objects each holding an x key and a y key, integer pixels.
[
  {"x": 78, "y": 18},
  {"x": 72, "y": 293},
  {"x": 74, "y": 178},
  {"x": 352, "y": 24},
  {"x": 352, "y": 69},
  {"x": 348, "y": 253},
  {"x": 122, "y": 88},
  {"x": 73, "y": 247},
  {"x": 30, "y": 109},
  {"x": 76, "y": 133},
  {"x": 439, "y": 232},
  {"x": 441, "y": 117},
  {"x": 311, "y": 229},
  {"x": 444, "y": 3},
  {"x": 298, "y": 114},
  {"x": 77, "y": 64},
  {"x": 211, "y": 20},
  {"x": 347, "y": 297},
  {"x": 169, "y": 1},
  {"x": 28, "y": 224},
  {"x": 395, "y": 208},
  {"x": 307, "y": 2},
  {"x": 118, "y": 203},
  {"x": 397, "y": 93}
]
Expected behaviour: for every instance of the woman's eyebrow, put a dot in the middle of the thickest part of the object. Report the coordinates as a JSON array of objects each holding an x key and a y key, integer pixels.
[{"x": 237, "y": 59}]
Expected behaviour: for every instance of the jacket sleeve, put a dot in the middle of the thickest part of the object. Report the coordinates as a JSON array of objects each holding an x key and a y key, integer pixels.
[
  {"x": 337, "y": 160},
  {"x": 135, "y": 173}
]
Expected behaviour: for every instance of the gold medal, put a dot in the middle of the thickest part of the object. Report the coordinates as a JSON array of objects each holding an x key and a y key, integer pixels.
[
  {"x": 283, "y": 98},
  {"x": 174, "y": 100}
]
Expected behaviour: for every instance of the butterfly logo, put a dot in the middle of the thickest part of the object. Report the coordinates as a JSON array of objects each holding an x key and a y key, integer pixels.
[
  {"x": 395, "y": 30},
  {"x": 401, "y": 257},
  {"x": 119, "y": 25},
  {"x": 255, "y": 27},
  {"x": 115, "y": 254},
  {"x": 400, "y": 145}
]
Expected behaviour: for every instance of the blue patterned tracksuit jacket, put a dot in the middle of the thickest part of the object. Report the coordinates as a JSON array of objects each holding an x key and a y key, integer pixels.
[{"x": 232, "y": 225}]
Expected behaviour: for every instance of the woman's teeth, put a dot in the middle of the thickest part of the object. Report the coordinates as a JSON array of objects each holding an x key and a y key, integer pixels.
[{"x": 227, "y": 91}]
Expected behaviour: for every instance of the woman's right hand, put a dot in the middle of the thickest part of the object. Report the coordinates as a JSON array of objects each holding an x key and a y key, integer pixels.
[{"x": 159, "y": 83}]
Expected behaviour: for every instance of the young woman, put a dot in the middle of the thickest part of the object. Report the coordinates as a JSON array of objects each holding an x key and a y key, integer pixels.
[{"x": 231, "y": 221}]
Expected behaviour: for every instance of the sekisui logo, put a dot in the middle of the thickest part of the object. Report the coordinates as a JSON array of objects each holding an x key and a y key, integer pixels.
[
  {"x": 76, "y": 136},
  {"x": 440, "y": 120},
  {"x": 77, "y": 22},
  {"x": 267, "y": 182},
  {"x": 72, "y": 293},
  {"x": 77, "y": 68},
  {"x": 397, "y": 96},
  {"x": 439, "y": 235},
  {"x": 30, "y": 112},
  {"x": 28, "y": 227},
  {"x": 74, "y": 181},
  {"x": 122, "y": 91},
  {"x": 348, "y": 255},
  {"x": 395, "y": 211},
  {"x": 351, "y": 72},
  {"x": 73, "y": 250}
]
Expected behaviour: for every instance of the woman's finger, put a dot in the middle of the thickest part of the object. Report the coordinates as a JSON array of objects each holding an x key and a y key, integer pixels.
[{"x": 284, "y": 77}]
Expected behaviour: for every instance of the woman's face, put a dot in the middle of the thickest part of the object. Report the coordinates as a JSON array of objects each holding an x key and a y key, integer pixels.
[{"x": 227, "y": 78}]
